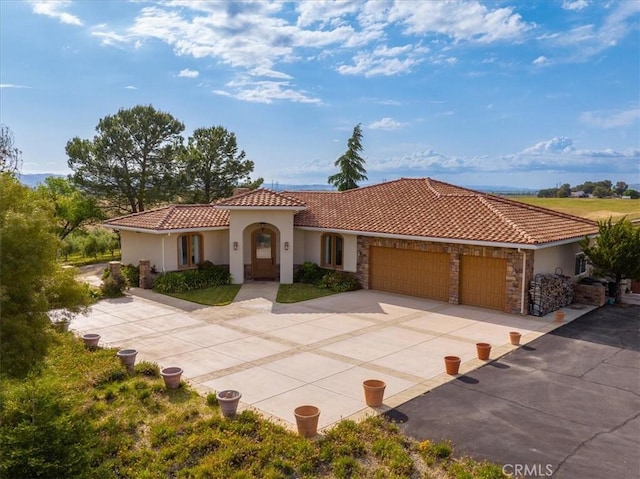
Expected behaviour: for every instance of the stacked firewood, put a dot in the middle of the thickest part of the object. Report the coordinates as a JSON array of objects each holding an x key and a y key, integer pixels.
[{"x": 549, "y": 292}]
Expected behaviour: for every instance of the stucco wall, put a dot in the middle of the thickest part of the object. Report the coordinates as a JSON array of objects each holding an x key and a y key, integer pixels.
[
  {"x": 137, "y": 246},
  {"x": 312, "y": 249},
  {"x": 560, "y": 258}
]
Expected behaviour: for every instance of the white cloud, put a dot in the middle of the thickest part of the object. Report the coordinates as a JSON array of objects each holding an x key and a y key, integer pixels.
[
  {"x": 541, "y": 60},
  {"x": 617, "y": 119},
  {"x": 265, "y": 92},
  {"x": 54, "y": 9},
  {"x": 460, "y": 20},
  {"x": 558, "y": 144},
  {"x": 12, "y": 85},
  {"x": 386, "y": 124},
  {"x": 384, "y": 61},
  {"x": 130, "y": 87},
  {"x": 586, "y": 41},
  {"x": 186, "y": 73},
  {"x": 575, "y": 5}
]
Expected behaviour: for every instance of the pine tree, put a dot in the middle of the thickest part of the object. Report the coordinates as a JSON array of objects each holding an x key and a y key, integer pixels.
[{"x": 351, "y": 164}]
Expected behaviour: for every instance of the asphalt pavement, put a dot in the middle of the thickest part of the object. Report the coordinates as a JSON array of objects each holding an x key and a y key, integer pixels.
[{"x": 566, "y": 405}]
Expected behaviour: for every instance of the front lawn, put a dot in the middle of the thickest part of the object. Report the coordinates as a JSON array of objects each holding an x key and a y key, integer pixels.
[
  {"x": 212, "y": 296},
  {"x": 296, "y": 292}
]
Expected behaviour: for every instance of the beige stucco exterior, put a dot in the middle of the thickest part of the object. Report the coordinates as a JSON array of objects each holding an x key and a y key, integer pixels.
[
  {"x": 312, "y": 249},
  {"x": 556, "y": 259}
]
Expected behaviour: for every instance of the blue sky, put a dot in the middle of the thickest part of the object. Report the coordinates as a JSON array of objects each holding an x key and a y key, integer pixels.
[{"x": 529, "y": 94}]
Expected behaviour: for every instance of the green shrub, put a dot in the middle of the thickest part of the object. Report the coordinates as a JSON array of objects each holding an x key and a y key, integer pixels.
[
  {"x": 345, "y": 467},
  {"x": 212, "y": 400},
  {"x": 132, "y": 273},
  {"x": 191, "y": 280},
  {"x": 309, "y": 273},
  {"x": 147, "y": 368},
  {"x": 43, "y": 434},
  {"x": 339, "y": 281},
  {"x": 113, "y": 286}
]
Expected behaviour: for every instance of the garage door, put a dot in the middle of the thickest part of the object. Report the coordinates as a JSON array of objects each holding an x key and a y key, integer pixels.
[
  {"x": 483, "y": 282},
  {"x": 415, "y": 273}
]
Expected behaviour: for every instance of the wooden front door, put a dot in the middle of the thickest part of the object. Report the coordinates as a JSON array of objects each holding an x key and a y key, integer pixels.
[{"x": 263, "y": 254}]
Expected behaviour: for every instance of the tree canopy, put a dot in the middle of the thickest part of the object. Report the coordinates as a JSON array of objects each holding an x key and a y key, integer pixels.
[
  {"x": 31, "y": 282},
  {"x": 73, "y": 208},
  {"x": 213, "y": 166},
  {"x": 616, "y": 251},
  {"x": 350, "y": 164},
  {"x": 131, "y": 162},
  {"x": 10, "y": 156}
]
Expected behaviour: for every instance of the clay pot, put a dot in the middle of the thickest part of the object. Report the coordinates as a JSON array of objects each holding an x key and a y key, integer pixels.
[
  {"x": 91, "y": 340},
  {"x": 452, "y": 364},
  {"x": 559, "y": 316},
  {"x": 171, "y": 377},
  {"x": 127, "y": 358},
  {"x": 307, "y": 420},
  {"x": 514, "y": 337},
  {"x": 483, "y": 350},
  {"x": 373, "y": 392},
  {"x": 228, "y": 400}
]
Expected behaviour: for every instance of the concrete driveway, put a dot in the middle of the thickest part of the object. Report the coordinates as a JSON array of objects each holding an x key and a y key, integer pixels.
[
  {"x": 317, "y": 352},
  {"x": 567, "y": 405}
]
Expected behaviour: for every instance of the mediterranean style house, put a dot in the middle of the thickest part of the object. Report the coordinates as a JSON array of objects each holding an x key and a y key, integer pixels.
[{"x": 418, "y": 237}]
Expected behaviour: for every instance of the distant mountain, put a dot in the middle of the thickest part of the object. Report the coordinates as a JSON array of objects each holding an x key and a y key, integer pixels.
[{"x": 35, "y": 179}]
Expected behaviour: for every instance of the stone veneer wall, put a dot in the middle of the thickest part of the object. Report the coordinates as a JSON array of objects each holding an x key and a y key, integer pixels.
[
  {"x": 592, "y": 294},
  {"x": 513, "y": 278}
]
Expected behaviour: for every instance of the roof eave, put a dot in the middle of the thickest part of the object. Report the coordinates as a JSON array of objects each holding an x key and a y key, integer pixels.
[
  {"x": 434, "y": 239},
  {"x": 165, "y": 231}
]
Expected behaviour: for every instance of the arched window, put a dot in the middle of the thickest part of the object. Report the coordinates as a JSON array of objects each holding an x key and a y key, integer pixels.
[
  {"x": 332, "y": 251},
  {"x": 189, "y": 250}
]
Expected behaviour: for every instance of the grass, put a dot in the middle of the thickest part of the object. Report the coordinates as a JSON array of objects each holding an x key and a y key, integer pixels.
[
  {"x": 77, "y": 259},
  {"x": 96, "y": 420},
  {"x": 296, "y": 292},
  {"x": 213, "y": 296},
  {"x": 591, "y": 208}
]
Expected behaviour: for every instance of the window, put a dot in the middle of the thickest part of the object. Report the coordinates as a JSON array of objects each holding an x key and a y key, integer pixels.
[
  {"x": 332, "y": 251},
  {"x": 581, "y": 264},
  {"x": 189, "y": 250}
]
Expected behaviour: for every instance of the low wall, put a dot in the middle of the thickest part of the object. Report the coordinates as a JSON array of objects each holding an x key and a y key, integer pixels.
[{"x": 591, "y": 294}]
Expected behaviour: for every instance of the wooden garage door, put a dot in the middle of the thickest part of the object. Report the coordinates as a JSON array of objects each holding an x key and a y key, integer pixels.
[
  {"x": 483, "y": 282},
  {"x": 415, "y": 273}
]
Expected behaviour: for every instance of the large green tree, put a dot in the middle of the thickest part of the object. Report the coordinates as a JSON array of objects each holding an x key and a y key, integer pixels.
[
  {"x": 615, "y": 252},
  {"x": 350, "y": 164},
  {"x": 73, "y": 208},
  {"x": 31, "y": 282},
  {"x": 213, "y": 166},
  {"x": 132, "y": 161}
]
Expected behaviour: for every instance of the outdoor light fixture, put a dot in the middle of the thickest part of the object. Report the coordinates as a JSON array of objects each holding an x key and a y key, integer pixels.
[
  {"x": 286, "y": 246},
  {"x": 235, "y": 246}
]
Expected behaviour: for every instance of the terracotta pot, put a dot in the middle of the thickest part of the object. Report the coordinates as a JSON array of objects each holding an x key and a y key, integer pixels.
[
  {"x": 514, "y": 337},
  {"x": 127, "y": 358},
  {"x": 452, "y": 364},
  {"x": 373, "y": 392},
  {"x": 228, "y": 400},
  {"x": 559, "y": 316},
  {"x": 483, "y": 350},
  {"x": 171, "y": 377},
  {"x": 307, "y": 420},
  {"x": 91, "y": 340}
]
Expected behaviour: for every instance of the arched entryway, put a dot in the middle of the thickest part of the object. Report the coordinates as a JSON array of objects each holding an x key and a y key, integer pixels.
[{"x": 263, "y": 253}]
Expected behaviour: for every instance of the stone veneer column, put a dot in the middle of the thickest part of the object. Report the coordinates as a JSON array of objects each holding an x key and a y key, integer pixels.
[
  {"x": 114, "y": 269},
  {"x": 145, "y": 274},
  {"x": 454, "y": 278}
]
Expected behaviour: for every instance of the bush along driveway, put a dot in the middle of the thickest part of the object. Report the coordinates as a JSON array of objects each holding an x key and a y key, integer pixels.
[{"x": 566, "y": 405}]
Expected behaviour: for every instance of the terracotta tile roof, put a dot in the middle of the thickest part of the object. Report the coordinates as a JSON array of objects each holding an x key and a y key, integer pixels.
[
  {"x": 173, "y": 217},
  {"x": 261, "y": 197},
  {"x": 411, "y": 207},
  {"x": 429, "y": 208}
]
